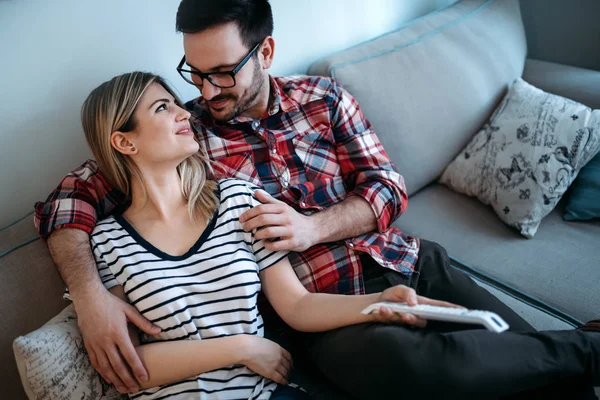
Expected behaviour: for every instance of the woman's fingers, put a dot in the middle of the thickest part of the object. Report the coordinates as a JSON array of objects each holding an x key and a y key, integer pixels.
[
  {"x": 286, "y": 354},
  {"x": 439, "y": 303},
  {"x": 279, "y": 376},
  {"x": 386, "y": 315},
  {"x": 411, "y": 319},
  {"x": 287, "y": 364}
]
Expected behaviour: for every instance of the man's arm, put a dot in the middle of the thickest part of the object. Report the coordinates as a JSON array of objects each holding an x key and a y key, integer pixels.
[
  {"x": 377, "y": 192},
  {"x": 66, "y": 218},
  {"x": 297, "y": 232},
  {"x": 71, "y": 252},
  {"x": 366, "y": 168},
  {"x": 102, "y": 317},
  {"x": 81, "y": 198},
  {"x": 347, "y": 219}
]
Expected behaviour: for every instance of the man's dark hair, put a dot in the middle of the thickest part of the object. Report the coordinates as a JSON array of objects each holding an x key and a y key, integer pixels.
[{"x": 254, "y": 18}]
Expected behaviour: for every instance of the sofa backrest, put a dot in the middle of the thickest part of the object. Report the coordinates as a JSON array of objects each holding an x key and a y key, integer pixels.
[
  {"x": 429, "y": 86},
  {"x": 31, "y": 294}
]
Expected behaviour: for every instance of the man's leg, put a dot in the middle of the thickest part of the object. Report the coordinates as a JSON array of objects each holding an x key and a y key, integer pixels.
[
  {"x": 373, "y": 360},
  {"x": 377, "y": 361},
  {"x": 436, "y": 279}
]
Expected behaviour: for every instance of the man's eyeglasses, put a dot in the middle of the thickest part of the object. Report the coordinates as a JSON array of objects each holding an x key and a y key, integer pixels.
[{"x": 224, "y": 80}]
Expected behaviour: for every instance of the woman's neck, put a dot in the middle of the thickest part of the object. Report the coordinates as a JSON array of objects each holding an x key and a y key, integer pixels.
[{"x": 163, "y": 199}]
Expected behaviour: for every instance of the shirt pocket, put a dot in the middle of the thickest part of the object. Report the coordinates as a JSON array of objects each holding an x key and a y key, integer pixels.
[
  {"x": 316, "y": 150},
  {"x": 240, "y": 166},
  {"x": 321, "y": 193}
]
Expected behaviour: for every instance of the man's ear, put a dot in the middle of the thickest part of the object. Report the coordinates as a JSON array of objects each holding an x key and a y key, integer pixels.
[
  {"x": 120, "y": 142},
  {"x": 267, "y": 51}
]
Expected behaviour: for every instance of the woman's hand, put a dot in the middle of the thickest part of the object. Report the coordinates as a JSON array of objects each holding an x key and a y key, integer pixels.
[
  {"x": 268, "y": 359},
  {"x": 404, "y": 294}
]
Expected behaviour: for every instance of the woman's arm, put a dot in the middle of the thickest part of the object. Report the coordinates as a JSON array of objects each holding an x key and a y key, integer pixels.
[
  {"x": 168, "y": 362},
  {"x": 311, "y": 312},
  {"x": 315, "y": 312}
]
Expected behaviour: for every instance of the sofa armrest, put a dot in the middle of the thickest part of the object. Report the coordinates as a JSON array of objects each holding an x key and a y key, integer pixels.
[{"x": 579, "y": 84}]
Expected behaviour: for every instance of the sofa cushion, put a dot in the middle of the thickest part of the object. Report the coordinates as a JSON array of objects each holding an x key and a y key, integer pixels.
[
  {"x": 31, "y": 294},
  {"x": 53, "y": 362},
  {"x": 17, "y": 234},
  {"x": 584, "y": 196},
  {"x": 524, "y": 159},
  {"x": 539, "y": 319},
  {"x": 560, "y": 266},
  {"x": 579, "y": 84},
  {"x": 435, "y": 80}
]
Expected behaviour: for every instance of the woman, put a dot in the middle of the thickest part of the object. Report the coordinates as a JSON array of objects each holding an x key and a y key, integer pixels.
[{"x": 179, "y": 254}]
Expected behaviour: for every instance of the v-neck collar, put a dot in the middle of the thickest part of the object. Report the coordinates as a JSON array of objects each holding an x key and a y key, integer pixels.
[{"x": 161, "y": 254}]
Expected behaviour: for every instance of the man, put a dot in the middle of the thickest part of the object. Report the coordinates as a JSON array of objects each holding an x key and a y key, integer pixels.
[{"x": 335, "y": 194}]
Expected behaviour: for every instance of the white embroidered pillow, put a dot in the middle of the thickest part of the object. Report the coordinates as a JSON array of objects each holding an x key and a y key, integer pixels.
[
  {"x": 54, "y": 364},
  {"x": 524, "y": 159}
]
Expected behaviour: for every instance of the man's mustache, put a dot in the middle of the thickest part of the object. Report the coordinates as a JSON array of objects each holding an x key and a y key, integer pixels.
[{"x": 222, "y": 97}]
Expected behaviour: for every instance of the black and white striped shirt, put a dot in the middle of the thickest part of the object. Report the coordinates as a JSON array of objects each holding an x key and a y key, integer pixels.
[{"x": 209, "y": 292}]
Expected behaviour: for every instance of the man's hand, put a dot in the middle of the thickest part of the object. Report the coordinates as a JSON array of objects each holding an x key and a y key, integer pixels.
[
  {"x": 282, "y": 227},
  {"x": 268, "y": 359},
  {"x": 102, "y": 319},
  {"x": 404, "y": 294}
]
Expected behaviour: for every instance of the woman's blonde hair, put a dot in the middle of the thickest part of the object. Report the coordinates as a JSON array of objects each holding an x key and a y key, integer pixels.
[{"x": 111, "y": 107}]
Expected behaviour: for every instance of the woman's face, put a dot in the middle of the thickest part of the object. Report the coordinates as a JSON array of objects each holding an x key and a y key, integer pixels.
[{"x": 162, "y": 134}]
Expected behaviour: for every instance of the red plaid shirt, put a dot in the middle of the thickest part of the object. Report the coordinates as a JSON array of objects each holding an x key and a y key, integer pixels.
[{"x": 313, "y": 148}]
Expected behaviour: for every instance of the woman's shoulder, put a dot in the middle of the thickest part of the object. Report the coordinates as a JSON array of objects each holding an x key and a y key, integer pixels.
[
  {"x": 230, "y": 186},
  {"x": 107, "y": 228},
  {"x": 236, "y": 193}
]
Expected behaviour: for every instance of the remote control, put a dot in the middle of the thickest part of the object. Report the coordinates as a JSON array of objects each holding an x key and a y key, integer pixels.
[{"x": 490, "y": 320}]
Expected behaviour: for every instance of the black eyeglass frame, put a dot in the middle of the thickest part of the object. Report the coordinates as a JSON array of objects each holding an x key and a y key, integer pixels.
[{"x": 204, "y": 76}]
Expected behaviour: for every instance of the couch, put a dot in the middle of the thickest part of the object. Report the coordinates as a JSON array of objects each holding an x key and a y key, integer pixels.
[
  {"x": 427, "y": 88},
  {"x": 437, "y": 81}
]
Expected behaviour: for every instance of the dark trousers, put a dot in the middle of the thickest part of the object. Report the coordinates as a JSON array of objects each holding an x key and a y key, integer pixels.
[
  {"x": 284, "y": 392},
  {"x": 448, "y": 360}
]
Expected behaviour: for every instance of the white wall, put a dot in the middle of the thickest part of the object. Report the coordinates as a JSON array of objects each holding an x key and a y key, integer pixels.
[{"x": 52, "y": 53}]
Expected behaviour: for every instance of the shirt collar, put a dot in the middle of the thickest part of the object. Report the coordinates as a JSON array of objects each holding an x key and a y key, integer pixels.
[{"x": 280, "y": 99}]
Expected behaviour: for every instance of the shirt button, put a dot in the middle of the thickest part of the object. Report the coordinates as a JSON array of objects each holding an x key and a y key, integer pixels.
[
  {"x": 273, "y": 151},
  {"x": 303, "y": 204},
  {"x": 255, "y": 124},
  {"x": 351, "y": 244}
]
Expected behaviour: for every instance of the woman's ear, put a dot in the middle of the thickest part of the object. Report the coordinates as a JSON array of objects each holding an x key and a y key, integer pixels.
[
  {"x": 267, "y": 51},
  {"x": 120, "y": 142}
]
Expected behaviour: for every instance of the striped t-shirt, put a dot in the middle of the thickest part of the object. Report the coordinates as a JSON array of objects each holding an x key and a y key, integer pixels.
[{"x": 209, "y": 292}]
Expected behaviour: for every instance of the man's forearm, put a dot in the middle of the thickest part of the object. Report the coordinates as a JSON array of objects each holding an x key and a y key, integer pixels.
[
  {"x": 347, "y": 219},
  {"x": 72, "y": 254}
]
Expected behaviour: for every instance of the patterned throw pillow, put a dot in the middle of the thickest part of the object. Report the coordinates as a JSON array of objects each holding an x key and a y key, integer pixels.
[
  {"x": 53, "y": 363},
  {"x": 524, "y": 159}
]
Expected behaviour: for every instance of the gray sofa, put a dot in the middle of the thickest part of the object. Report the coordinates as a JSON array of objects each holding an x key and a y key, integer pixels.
[{"x": 427, "y": 88}]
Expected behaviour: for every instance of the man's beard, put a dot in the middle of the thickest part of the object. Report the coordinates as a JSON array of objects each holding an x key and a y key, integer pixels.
[{"x": 247, "y": 100}]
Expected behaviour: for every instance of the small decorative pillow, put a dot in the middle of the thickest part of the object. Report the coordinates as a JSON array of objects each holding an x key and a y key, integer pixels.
[
  {"x": 584, "y": 198},
  {"x": 524, "y": 159},
  {"x": 54, "y": 364}
]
